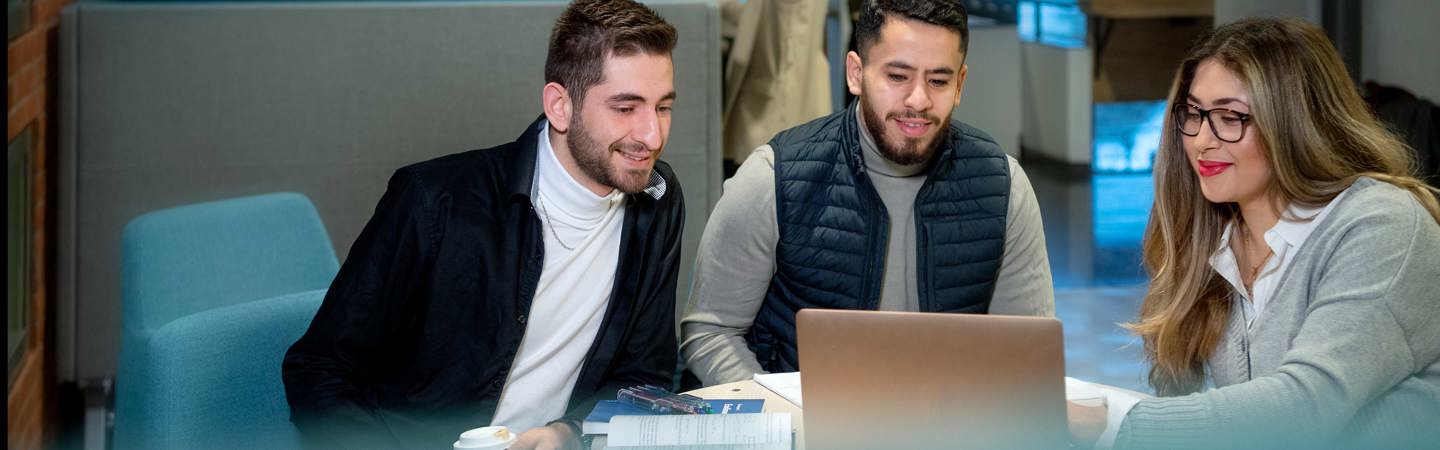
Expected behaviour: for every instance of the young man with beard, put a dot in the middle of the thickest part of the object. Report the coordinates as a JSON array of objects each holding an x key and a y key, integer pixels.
[
  {"x": 518, "y": 284},
  {"x": 885, "y": 205}
]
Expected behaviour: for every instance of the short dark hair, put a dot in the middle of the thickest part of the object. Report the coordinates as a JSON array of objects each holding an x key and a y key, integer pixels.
[
  {"x": 945, "y": 13},
  {"x": 590, "y": 30}
]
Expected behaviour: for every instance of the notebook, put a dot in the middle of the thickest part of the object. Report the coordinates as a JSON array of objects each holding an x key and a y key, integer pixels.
[{"x": 929, "y": 380}]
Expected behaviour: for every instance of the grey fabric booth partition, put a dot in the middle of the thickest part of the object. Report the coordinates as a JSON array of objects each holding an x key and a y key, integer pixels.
[{"x": 165, "y": 104}]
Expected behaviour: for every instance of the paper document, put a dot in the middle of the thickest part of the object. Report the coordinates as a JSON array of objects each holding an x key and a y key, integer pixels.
[
  {"x": 1095, "y": 394},
  {"x": 786, "y": 384},
  {"x": 1084, "y": 393},
  {"x": 767, "y": 431}
]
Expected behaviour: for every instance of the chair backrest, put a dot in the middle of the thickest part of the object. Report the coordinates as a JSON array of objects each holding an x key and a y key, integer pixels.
[
  {"x": 180, "y": 261},
  {"x": 213, "y": 295}
]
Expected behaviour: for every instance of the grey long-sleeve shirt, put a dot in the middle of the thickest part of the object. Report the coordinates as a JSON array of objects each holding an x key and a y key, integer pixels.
[
  {"x": 737, "y": 260},
  {"x": 1346, "y": 354}
]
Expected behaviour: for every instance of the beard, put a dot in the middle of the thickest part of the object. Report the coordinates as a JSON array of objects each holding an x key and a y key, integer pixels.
[
  {"x": 908, "y": 151},
  {"x": 594, "y": 160}
]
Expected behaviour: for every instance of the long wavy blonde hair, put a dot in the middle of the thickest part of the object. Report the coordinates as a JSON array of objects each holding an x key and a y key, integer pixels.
[{"x": 1318, "y": 136}]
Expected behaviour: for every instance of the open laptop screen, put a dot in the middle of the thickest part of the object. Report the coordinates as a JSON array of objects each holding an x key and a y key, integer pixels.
[{"x": 929, "y": 380}]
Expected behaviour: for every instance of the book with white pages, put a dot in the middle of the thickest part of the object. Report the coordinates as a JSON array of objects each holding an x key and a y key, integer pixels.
[{"x": 764, "y": 431}]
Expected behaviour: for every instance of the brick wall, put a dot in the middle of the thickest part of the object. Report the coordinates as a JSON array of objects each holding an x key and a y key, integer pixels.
[{"x": 31, "y": 95}]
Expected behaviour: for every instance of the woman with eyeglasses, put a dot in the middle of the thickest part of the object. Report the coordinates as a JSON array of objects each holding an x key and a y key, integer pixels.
[{"x": 1294, "y": 298}]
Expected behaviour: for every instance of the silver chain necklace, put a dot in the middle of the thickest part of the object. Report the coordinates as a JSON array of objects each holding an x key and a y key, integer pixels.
[{"x": 551, "y": 222}]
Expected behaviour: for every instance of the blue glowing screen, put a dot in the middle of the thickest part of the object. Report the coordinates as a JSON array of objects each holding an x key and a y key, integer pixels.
[{"x": 1056, "y": 23}]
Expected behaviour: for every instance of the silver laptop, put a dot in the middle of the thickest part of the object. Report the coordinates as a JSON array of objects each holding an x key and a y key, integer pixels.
[{"x": 873, "y": 379}]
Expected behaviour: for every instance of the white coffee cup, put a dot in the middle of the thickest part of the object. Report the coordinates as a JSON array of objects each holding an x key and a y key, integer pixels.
[{"x": 487, "y": 438}]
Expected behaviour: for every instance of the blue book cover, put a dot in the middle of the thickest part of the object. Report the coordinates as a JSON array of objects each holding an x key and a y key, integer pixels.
[
  {"x": 598, "y": 422},
  {"x": 605, "y": 409},
  {"x": 746, "y": 406}
]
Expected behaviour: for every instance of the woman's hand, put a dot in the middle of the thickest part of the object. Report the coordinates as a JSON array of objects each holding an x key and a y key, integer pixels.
[{"x": 1086, "y": 423}]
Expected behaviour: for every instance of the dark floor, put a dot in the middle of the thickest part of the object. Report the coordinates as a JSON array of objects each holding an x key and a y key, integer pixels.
[{"x": 1093, "y": 226}]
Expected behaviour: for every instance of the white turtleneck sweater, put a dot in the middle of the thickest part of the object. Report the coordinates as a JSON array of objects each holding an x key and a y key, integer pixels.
[{"x": 582, "y": 247}]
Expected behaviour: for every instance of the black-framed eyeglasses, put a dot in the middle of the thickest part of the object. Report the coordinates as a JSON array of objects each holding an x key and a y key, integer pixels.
[{"x": 1228, "y": 125}]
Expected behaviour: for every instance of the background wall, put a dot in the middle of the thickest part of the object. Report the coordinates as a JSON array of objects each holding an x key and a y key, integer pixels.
[
  {"x": 1227, "y": 11},
  {"x": 1398, "y": 45},
  {"x": 1397, "y": 37},
  {"x": 174, "y": 103},
  {"x": 1056, "y": 91},
  {"x": 991, "y": 101}
]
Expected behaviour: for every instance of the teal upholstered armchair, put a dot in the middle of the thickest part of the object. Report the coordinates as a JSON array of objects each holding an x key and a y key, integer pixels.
[{"x": 213, "y": 295}]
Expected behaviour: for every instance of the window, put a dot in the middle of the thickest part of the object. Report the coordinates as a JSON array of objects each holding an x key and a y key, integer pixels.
[
  {"x": 1058, "y": 23},
  {"x": 17, "y": 20},
  {"x": 17, "y": 245}
]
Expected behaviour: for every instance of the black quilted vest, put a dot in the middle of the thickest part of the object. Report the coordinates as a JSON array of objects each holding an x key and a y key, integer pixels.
[{"x": 833, "y": 229}]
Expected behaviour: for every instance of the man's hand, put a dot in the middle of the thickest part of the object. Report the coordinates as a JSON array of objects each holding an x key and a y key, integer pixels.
[
  {"x": 558, "y": 436},
  {"x": 1086, "y": 423}
]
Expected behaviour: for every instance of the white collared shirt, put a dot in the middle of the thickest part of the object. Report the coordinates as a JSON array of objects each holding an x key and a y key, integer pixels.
[{"x": 1284, "y": 239}]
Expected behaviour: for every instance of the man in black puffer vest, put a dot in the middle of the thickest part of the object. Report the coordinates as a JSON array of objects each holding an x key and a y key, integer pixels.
[{"x": 884, "y": 205}]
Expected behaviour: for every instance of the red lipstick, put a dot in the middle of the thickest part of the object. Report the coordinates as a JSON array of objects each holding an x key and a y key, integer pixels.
[{"x": 1212, "y": 168}]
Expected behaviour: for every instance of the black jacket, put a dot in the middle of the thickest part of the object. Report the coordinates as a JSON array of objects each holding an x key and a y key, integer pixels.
[{"x": 419, "y": 330}]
